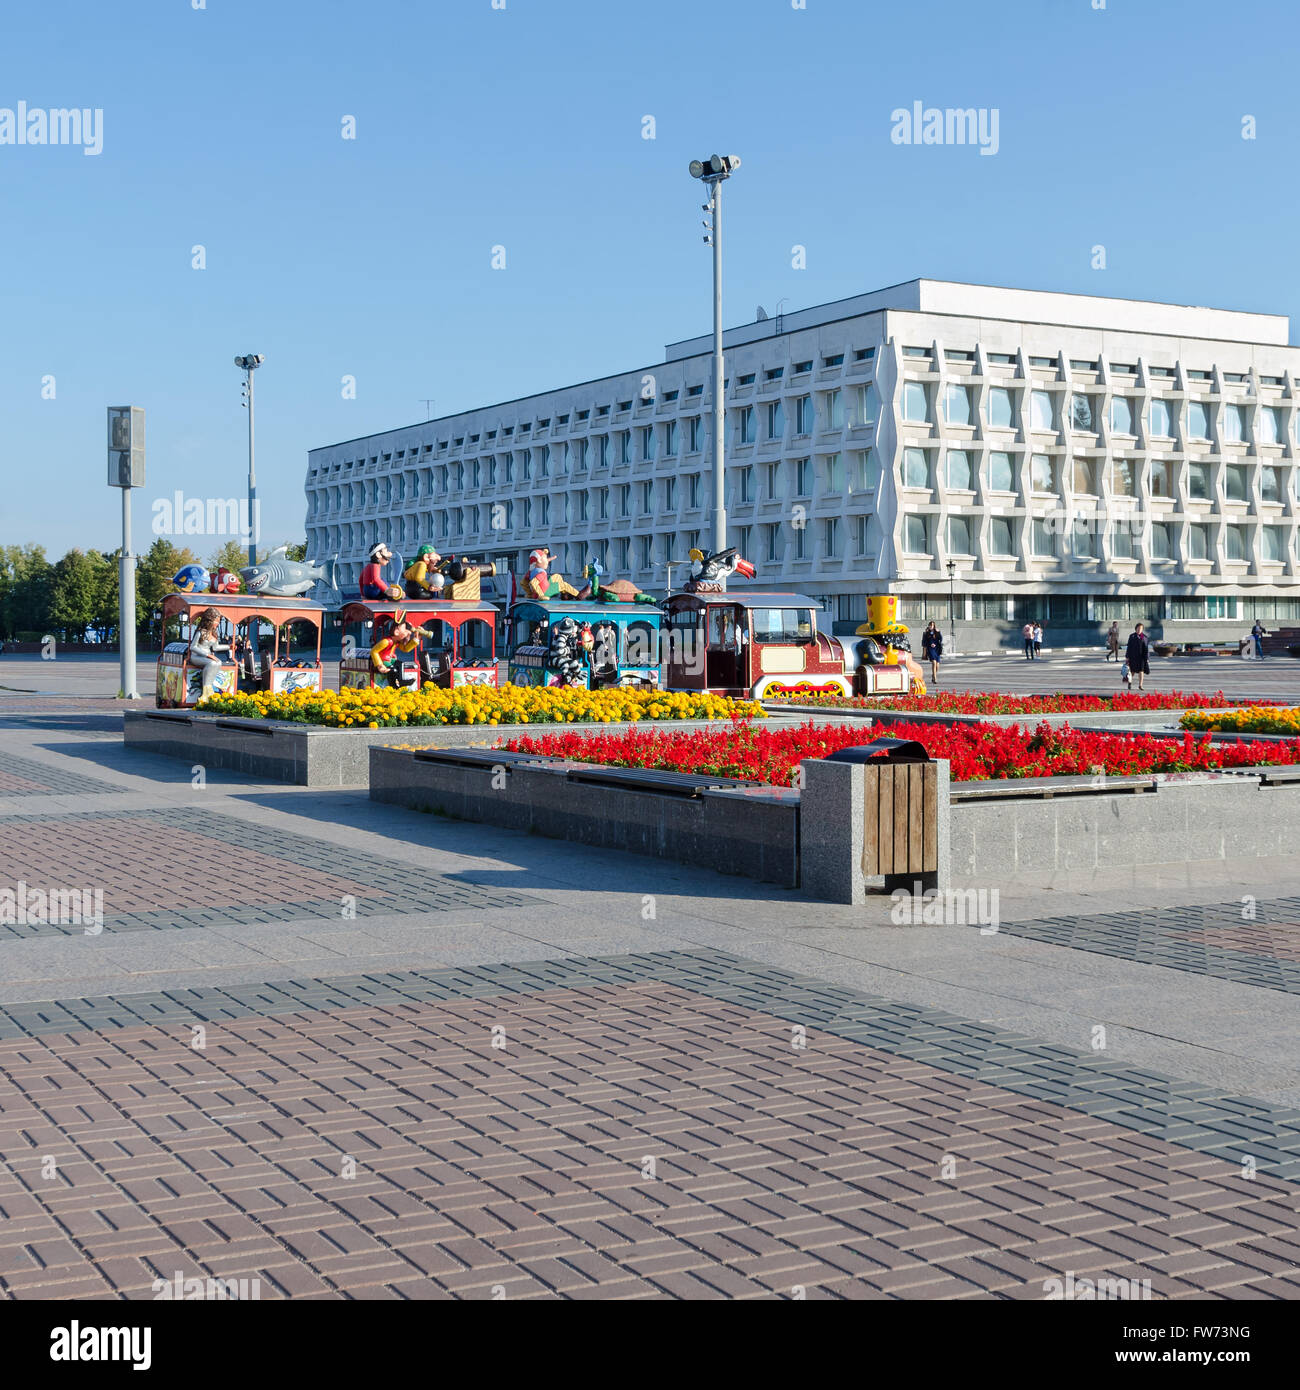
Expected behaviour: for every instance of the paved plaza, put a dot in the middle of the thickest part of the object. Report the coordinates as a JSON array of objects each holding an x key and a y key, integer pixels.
[{"x": 347, "y": 1050}]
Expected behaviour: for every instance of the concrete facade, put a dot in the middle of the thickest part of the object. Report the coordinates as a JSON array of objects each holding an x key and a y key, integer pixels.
[{"x": 1077, "y": 458}]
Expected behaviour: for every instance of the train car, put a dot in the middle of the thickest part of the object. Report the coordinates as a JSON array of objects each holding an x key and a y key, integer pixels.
[
  {"x": 590, "y": 645},
  {"x": 457, "y": 641},
  {"x": 277, "y": 668},
  {"x": 754, "y": 644}
]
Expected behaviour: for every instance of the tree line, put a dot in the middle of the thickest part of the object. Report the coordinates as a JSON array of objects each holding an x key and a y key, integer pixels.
[{"x": 75, "y": 598}]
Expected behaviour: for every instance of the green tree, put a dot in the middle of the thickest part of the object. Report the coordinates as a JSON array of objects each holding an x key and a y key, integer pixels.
[
  {"x": 153, "y": 576},
  {"x": 74, "y": 595},
  {"x": 24, "y": 590},
  {"x": 231, "y": 556}
]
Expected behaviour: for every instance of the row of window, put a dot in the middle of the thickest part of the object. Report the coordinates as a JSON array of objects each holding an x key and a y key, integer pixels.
[
  {"x": 1072, "y": 609},
  {"x": 1004, "y": 409},
  {"x": 1004, "y": 472},
  {"x": 1049, "y": 538}
]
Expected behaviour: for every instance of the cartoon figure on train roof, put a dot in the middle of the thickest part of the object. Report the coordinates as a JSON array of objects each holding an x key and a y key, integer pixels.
[
  {"x": 541, "y": 583},
  {"x": 883, "y": 625},
  {"x": 372, "y": 582},
  {"x": 620, "y": 591},
  {"x": 709, "y": 573},
  {"x": 192, "y": 579},
  {"x": 280, "y": 577}
]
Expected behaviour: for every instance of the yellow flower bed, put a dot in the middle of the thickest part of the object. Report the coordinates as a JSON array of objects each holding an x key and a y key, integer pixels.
[
  {"x": 478, "y": 704},
  {"x": 1257, "y": 719}
]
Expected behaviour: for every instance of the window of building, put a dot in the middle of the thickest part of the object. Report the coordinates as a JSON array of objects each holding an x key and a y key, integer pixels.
[
  {"x": 693, "y": 490},
  {"x": 834, "y": 360},
  {"x": 1198, "y": 481},
  {"x": 670, "y": 494},
  {"x": 1042, "y": 542},
  {"x": 1121, "y": 540},
  {"x": 545, "y": 510},
  {"x": 866, "y": 471},
  {"x": 1234, "y": 539},
  {"x": 771, "y": 478},
  {"x": 1198, "y": 542},
  {"x": 915, "y": 405},
  {"x": 695, "y": 433},
  {"x": 803, "y": 478},
  {"x": 603, "y": 496},
  {"x": 1123, "y": 478},
  {"x": 647, "y": 442},
  {"x": 1084, "y": 477},
  {"x": 746, "y": 421},
  {"x": 1162, "y": 424},
  {"x": 804, "y": 419},
  {"x": 1162, "y": 484},
  {"x": 771, "y": 536},
  {"x": 831, "y": 537},
  {"x": 957, "y": 404},
  {"x": 916, "y": 534},
  {"x": 1083, "y": 416},
  {"x": 774, "y": 374},
  {"x": 625, "y": 500},
  {"x": 1270, "y": 425},
  {"x": 916, "y": 468},
  {"x": 1001, "y": 537},
  {"x": 647, "y": 551},
  {"x": 745, "y": 484},
  {"x": 565, "y": 458},
  {"x": 775, "y": 420},
  {"x": 1234, "y": 424},
  {"x": 602, "y": 451},
  {"x": 670, "y": 439},
  {"x": 647, "y": 497},
  {"x": 800, "y": 367},
  {"x": 1198, "y": 420},
  {"x": 959, "y": 535},
  {"x": 961, "y": 473},
  {"x": 865, "y": 406},
  {"x": 625, "y": 446},
  {"x": 860, "y": 534},
  {"x": 745, "y": 379},
  {"x": 1001, "y": 473},
  {"x": 544, "y": 461},
  {"x": 1122, "y": 415},
  {"x": 743, "y": 538},
  {"x": 834, "y": 473},
  {"x": 1084, "y": 538},
  {"x": 1272, "y": 540},
  {"x": 834, "y": 410},
  {"x": 1162, "y": 541},
  {"x": 1002, "y": 408},
  {"x": 864, "y": 354},
  {"x": 1270, "y": 484},
  {"x": 1235, "y": 483},
  {"x": 1042, "y": 476},
  {"x": 1040, "y": 410},
  {"x": 622, "y": 547}
]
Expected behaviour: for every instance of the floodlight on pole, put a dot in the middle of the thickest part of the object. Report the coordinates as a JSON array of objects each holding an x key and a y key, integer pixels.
[
  {"x": 248, "y": 364},
  {"x": 712, "y": 172}
]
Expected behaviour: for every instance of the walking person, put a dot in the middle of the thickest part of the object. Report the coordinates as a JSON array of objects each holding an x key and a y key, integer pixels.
[
  {"x": 1112, "y": 641},
  {"x": 932, "y": 649},
  {"x": 1027, "y": 632},
  {"x": 1137, "y": 655},
  {"x": 1038, "y": 640},
  {"x": 1258, "y": 633}
]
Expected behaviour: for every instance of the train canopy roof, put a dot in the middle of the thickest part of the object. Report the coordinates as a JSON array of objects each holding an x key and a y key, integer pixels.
[
  {"x": 750, "y": 598},
  {"x": 582, "y": 608},
  {"x": 418, "y": 611},
  {"x": 237, "y": 608}
]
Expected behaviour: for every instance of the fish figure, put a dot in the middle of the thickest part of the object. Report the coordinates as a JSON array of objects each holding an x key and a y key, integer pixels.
[
  {"x": 280, "y": 577},
  {"x": 192, "y": 579},
  {"x": 225, "y": 582}
]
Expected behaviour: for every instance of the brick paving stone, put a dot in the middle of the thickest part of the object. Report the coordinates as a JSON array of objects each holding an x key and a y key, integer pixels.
[{"x": 465, "y": 1181}]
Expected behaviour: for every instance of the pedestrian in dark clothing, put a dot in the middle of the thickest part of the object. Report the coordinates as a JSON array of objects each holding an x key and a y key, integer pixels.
[
  {"x": 932, "y": 649},
  {"x": 1258, "y": 633},
  {"x": 1027, "y": 632},
  {"x": 1137, "y": 655}
]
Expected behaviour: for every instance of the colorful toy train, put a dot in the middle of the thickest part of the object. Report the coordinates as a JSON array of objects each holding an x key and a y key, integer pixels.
[{"x": 435, "y": 628}]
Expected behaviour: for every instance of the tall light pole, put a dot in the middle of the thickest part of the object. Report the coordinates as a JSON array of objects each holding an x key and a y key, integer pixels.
[
  {"x": 952, "y": 603},
  {"x": 248, "y": 364},
  {"x": 711, "y": 172}
]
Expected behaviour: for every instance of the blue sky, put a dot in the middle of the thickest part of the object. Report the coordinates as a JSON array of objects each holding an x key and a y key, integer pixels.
[{"x": 522, "y": 127}]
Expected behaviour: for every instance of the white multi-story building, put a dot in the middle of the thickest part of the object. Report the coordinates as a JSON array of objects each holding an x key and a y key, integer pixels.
[{"x": 1066, "y": 457}]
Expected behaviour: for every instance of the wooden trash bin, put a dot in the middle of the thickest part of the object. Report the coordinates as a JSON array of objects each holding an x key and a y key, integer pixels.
[{"x": 900, "y": 820}]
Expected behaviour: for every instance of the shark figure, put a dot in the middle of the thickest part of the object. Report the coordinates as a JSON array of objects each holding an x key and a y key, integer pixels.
[{"x": 280, "y": 577}]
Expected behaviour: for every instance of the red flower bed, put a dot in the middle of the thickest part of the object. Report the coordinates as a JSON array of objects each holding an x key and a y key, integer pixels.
[
  {"x": 977, "y": 752},
  {"x": 991, "y": 702}
]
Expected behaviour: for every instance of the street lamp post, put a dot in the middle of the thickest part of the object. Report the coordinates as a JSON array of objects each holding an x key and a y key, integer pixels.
[
  {"x": 952, "y": 603},
  {"x": 711, "y": 172},
  {"x": 248, "y": 364}
]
